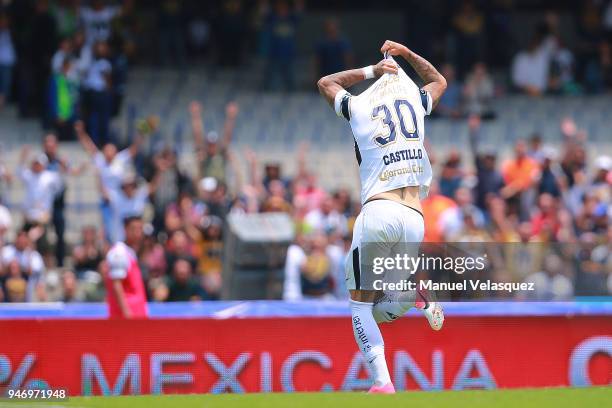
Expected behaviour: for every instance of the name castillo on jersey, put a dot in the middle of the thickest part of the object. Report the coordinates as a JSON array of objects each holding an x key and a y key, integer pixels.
[
  {"x": 402, "y": 155},
  {"x": 406, "y": 154}
]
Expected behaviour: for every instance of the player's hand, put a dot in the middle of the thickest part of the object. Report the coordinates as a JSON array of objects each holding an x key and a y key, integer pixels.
[
  {"x": 385, "y": 67},
  {"x": 393, "y": 48}
]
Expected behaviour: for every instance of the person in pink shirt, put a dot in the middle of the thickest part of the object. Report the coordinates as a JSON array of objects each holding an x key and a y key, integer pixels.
[{"x": 125, "y": 289}]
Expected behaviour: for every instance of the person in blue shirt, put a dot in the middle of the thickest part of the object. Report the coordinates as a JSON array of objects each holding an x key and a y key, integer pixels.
[
  {"x": 333, "y": 53},
  {"x": 281, "y": 26}
]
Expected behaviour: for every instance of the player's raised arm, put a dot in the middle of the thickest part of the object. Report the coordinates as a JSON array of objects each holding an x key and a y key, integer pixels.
[
  {"x": 435, "y": 83},
  {"x": 330, "y": 85}
]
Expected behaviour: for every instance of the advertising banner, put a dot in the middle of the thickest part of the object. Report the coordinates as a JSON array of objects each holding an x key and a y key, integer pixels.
[{"x": 161, "y": 356}]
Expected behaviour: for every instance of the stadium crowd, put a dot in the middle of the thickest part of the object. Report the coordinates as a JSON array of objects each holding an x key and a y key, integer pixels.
[
  {"x": 75, "y": 80},
  {"x": 539, "y": 195}
]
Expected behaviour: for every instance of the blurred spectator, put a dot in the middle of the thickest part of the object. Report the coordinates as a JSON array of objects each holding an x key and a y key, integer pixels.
[
  {"x": 277, "y": 200},
  {"x": 469, "y": 229},
  {"x": 70, "y": 288},
  {"x": 316, "y": 269},
  {"x": 280, "y": 28},
  {"x": 450, "y": 105},
  {"x": 182, "y": 285},
  {"x": 489, "y": 180},
  {"x": 551, "y": 283},
  {"x": 8, "y": 58},
  {"x": 185, "y": 213},
  {"x": 469, "y": 34},
  {"x": 34, "y": 59},
  {"x": 66, "y": 14},
  {"x": 451, "y": 174},
  {"x": 592, "y": 261},
  {"x": 530, "y": 67},
  {"x": 562, "y": 70},
  {"x": 478, "y": 92},
  {"x": 24, "y": 264},
  {"x": 180, "y": 246},
  {"x": 231, "y": 29},
  {"x": 552, "y": 180},
  {"x": 433, "y": 207},
  {"x": 310, "y": 268},
  {"x": 64, "y": 52},
  {"x": 98, "y": 97},
  {"x": 88, "y": 254},
  {"x": 63, "y": 100},
  {"x": 171, "y": 33},
  {"x": 327, "y": 218},
  {"x": 172, "y": 183},
  {"x": 333, "y": 52},
  {"x": 15, "y": 283},
  {"x": 6, "y": 223},
  {"x": 545, "y": 222},
  {"x": 96, "y": 20},
  {"x": 534, "y": 148},
  {"x": 129, "y": 201},
  {"x": 41, "y": 188},
  {"x": 520, "y": 174},
  {"x": 452, "y": 219},
  {"x": 61, "y": 167},
  {"x": 111, "y": 165},
  {"x": 592, "y": 47},
  {"x": 209, "y": 247},
  {"x": 152, "y": 256},
  {"x": 6, "y": 179},
  {"x": 212, "y": 153},
  {"x": 83, "y": 54}
]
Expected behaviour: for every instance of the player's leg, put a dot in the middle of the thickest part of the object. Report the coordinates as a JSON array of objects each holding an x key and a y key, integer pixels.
[
  {"x": 409, "y": 229},
  {"x": 394, "y": 304},
  {"x": 359, "y": 277},
  {"x": 369, "y": 338}
]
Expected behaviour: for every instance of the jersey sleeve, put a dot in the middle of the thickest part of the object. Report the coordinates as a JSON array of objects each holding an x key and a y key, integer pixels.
[
  {"x": 426, "y": 101},
  {"x": 341, "y": 104},
  {"x": 118, "y": 263}
]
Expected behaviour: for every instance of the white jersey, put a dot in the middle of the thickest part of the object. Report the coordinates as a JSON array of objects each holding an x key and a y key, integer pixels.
[{"x": 387, "y": 121}]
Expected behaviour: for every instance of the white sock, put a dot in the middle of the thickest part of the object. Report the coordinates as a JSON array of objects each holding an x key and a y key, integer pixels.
[
  {"x": 392, "y": 306},
  {"x": 370, "y": 341}
]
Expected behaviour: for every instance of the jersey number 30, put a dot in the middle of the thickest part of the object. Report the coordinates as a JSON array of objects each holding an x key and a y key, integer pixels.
[{"x": 382, "y": 112}]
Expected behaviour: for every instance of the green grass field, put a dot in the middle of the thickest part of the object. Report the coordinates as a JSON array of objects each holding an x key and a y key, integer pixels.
[{"x": 538, "y": 398}]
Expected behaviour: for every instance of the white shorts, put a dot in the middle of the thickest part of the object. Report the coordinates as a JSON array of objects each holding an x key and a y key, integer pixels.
[{"x": 383, "y": 229}]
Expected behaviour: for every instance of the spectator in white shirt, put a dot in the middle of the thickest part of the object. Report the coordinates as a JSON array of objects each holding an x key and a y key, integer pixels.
[
  {"x": 327, "y": 218},
  {"x": 111, "y": 166},
  {"x": 82, "y": 53},
  {"x": 63, "y": 52},
  {"x": 41, "y": 186},
  {"x": 530, "y": 68},
  {"x": 97, "y": 20},
  {"x": 29, "y": 260}
]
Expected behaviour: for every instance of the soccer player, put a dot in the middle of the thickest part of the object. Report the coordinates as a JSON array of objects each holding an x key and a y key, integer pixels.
[
  {"x": 387, "y": 121},
  {"x": 125, "y": 289}
]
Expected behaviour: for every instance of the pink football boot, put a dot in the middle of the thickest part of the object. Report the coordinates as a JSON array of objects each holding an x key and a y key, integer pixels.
[{"x": 382, "y": 389}]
